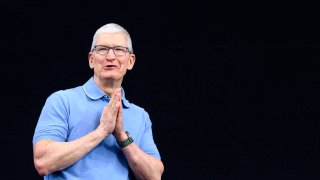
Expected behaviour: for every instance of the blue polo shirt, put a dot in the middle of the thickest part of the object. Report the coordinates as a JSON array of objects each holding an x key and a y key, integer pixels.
[{"x": 71, "y": 114}]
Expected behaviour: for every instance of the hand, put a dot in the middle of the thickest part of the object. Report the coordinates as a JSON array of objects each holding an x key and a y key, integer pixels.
[
  {"x": 109, "y": 115},
  {"x": 119, "y": 132}
]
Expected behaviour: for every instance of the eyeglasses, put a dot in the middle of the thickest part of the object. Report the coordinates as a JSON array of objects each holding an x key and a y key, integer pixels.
[{"x": 104, "y": 50}]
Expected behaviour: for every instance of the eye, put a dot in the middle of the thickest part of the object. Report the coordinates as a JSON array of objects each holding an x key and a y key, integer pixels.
[
  {"x": 102, "y": 49},
  {"x": 119, "y": 49}
]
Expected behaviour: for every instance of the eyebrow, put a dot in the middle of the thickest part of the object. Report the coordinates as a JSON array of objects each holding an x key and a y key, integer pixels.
[{"x": 112, "y": 46}]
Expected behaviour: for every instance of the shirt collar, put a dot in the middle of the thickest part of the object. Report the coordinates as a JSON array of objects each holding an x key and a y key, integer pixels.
[{"x": 94, "y": 92}]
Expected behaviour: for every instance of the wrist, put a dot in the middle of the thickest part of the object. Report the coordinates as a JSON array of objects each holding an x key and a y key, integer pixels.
[
  {"x": 126, "y": 142},
  {"x": 100, "y": 131},
  {"x": 120, "y": 137}
]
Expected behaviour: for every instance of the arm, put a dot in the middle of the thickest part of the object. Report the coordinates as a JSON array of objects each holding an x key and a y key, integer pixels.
[
  {"x": 143, "y": 165},
  {"x": 51, "y": 156}
]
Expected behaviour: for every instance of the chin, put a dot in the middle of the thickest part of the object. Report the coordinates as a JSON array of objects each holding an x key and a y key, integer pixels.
[{"x": 112, "y": 77}]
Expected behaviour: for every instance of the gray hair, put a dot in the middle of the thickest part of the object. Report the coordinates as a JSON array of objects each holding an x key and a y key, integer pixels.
[{"x": 112, "y": 28}]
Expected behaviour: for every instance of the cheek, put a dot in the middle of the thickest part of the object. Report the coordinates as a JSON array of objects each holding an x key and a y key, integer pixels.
[
  {"x": 96, "y": 65},
  {"x": 126, "y": 64},
  {"x": 97, "y": 62}
]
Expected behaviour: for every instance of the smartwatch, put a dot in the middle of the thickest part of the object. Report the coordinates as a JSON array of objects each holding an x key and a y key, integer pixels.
[{"x": 125, "y": 143}]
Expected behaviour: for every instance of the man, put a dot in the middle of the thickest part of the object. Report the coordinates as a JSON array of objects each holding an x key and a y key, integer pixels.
[{"x": 91, "y": 131}]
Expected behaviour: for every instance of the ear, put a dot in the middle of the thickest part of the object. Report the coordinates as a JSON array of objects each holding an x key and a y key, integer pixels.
[
  {"x": 132, "y": 60},
  {"x": 90, "y": 60}
]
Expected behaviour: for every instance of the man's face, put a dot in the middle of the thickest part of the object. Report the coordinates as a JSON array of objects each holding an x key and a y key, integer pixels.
[{"x": 111, "y": 66}]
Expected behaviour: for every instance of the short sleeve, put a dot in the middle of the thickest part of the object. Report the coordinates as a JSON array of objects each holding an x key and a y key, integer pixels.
[
  {"x": 147, "y": 143},
  {"x": 52, "y": 123}
]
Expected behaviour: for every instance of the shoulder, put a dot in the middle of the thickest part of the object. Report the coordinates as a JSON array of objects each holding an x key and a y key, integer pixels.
[
  {"x": 138, "y": 112},
  {"x": 66, "y": 94},
  {"x": 134, "y": 107}
]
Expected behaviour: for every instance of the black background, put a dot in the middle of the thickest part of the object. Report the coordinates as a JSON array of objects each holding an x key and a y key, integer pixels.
[{"x": 231, "y": 89}]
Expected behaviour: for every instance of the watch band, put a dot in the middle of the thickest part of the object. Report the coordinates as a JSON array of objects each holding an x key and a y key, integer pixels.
[{"x": 125, "y": 143}]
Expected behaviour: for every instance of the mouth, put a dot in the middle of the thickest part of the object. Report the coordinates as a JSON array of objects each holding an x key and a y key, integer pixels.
[{"x": 110, "y": 66}]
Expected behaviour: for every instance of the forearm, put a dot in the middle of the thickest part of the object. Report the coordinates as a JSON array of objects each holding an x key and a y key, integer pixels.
[
  {"x": 143, "y": 165},
  {"x": 51, "y": 156}
]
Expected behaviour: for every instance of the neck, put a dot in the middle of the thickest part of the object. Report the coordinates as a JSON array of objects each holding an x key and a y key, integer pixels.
[{"x": 108, "y": 86}]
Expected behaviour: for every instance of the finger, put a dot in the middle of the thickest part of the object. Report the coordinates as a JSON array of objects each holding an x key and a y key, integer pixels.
[
  {"x": 105, "y": 111},
  {"x": 120, "y": 94},
  {"x": 111, "y": 102},
  {"x": 120, "y": 111},
  {"x": 113, "y": 98},
  {"x": 116, "y": 96},
  {"x": 117, "y": 106}
]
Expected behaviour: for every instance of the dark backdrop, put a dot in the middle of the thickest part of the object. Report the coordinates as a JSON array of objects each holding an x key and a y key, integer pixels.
[{"x": 232, "y": 89}]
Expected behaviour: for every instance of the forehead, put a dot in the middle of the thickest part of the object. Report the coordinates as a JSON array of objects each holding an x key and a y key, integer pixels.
[{"x": 112, "y": 39}]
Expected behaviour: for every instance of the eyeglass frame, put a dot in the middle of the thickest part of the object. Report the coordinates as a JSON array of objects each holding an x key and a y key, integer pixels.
[{"x": 127, "y": 49}]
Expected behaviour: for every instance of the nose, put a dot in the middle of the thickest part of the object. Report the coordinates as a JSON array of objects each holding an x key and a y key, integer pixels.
[{"x": 111, "y": 55}]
